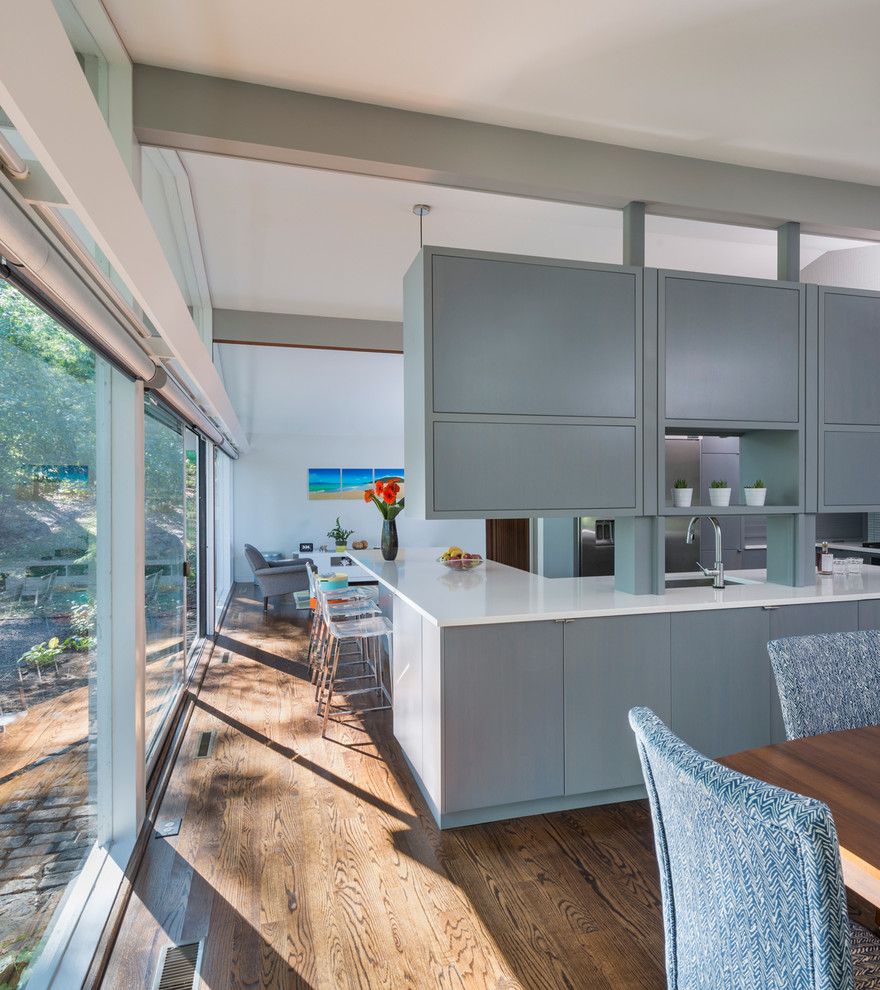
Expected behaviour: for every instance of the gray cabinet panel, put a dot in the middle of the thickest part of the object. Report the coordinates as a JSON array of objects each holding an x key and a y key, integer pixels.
[
  {"x": 806, "y": 620},
  {"x": 532, "y": 339},
  {"x": 732, "y": 350},
  {"x": 852, "y": 468},
  {"x": 869, "y": 614},
  {"x": 721, "y": 679},
  {"x": 502, "y": 714},
  {"x": 486, "y": 467},
  {"x": 611, "y": 665},
  {"x": 851, "y": 326}
]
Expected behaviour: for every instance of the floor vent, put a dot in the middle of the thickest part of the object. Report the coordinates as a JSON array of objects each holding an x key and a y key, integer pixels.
[
  {"x": 179, "y": 967},
  {"x": 206, "y": 744},
  {"x": 166, "y": 827}
]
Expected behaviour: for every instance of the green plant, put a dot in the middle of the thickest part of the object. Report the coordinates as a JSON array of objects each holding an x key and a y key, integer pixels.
[
  {"x": 339, "y": 533},
  {"x": 680, "y": 483},
  {"x": 83, "y": 617},
  {"x": 759, "y": 484},
  {"x": 79, "y": 644},
  {"x": 719, "y": 484},
  {"x": 42, "y": 653}
]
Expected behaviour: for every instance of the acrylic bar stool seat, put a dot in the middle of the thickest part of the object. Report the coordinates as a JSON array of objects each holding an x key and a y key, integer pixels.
[{"x": 368, "y": 632}]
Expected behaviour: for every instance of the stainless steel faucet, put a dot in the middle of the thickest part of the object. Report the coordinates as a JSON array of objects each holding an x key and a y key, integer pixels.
[{"x": 717, "y": 574}]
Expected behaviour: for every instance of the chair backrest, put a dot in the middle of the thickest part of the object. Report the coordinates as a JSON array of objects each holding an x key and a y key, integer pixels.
[
  {"x": 827, "y": 682},
  {"x": 254, "y": 557},
  {"x": 750, "y": 875}
]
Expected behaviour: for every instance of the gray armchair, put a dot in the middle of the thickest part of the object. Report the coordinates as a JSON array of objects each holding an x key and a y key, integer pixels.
[{"x": 277, "y": 577}]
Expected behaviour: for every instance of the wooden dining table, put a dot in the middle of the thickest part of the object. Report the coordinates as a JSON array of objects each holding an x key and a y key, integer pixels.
[{"x": 843, "y": 770}]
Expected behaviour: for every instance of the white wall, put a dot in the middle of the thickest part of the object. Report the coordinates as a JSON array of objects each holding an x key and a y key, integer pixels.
[
  {"x": 272, "y": 509},
  {"x": 315, "y": 408}
]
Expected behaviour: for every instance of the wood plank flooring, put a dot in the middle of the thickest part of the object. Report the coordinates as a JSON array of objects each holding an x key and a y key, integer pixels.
[{"x": 305, "y": 862}]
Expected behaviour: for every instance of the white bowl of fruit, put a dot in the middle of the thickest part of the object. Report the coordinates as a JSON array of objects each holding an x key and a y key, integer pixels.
[{"x": 458, "y": 560}]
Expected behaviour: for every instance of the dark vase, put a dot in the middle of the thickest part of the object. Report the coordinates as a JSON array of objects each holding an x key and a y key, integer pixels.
[{"x": 389, "y": 539}]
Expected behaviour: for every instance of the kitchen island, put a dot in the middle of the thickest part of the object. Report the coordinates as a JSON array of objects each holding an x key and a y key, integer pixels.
[{"x": 511, "y": 690}]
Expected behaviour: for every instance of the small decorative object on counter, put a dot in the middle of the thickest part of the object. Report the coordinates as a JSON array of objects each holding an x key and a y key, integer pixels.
[
  {"x": 719, "y": 493},
  {"x": 826, "y": 565},
  {"x": 359, "y": 545},
  {"x": 456, "y": 559},
  {"x": 756, "y": 494},
  {"x": 681, "y": 494},
  {"x": 340, "y": 534},
  {"x": 384, "y": 496}
]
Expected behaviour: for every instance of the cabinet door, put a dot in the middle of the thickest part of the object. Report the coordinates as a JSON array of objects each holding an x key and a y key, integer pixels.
[
  {"x": 850, "y": 341},
  {"x": 406, "y": 673},
  {"x": 806, "y": 620},
  {"x": 869, "y": 614},
  {"x": 733, "y": 349},
  {"x": 525, "y": 467},
  {"x": 502, "y": 714},
  {"x": 721, "y": 679},
  {"x": 520, "y": 337},
  {"x": 611, "y": 665},
  {"x": 852, "y": 468}
]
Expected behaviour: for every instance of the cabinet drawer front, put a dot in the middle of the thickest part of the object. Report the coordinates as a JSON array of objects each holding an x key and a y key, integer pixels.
[
  {"x": 852, "y": 468},
  {"x": 732, "y": 350},
  {"x": 486, "y": 467},
  {"x": 576, "y": 330},
  {"x": 851, "y": 331}
]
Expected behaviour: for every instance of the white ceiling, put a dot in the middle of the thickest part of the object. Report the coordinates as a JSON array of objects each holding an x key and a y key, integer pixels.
[
  {"x": 278, "y": 238},
  {"x": 784, "y": 84},
  {"x": 277, "y": 390}
]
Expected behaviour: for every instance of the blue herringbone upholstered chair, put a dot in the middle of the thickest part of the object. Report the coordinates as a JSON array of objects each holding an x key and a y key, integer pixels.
[
  {"x": 753, "y": 896},
  {"x": 827, "y": 682}
]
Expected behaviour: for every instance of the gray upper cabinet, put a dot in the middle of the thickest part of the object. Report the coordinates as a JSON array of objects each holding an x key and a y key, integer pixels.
[
  {"x": 849, "y": 399},
  {"x": 524, "y": 377},
  {"x": 731, "y": 349},
  {"x": 534, "y": 339},
  {"x": 850, "y": 347}
]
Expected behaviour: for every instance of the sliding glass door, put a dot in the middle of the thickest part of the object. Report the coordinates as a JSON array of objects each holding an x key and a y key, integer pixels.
[
  {"x": 53, "y": 505},
  {"x": 164, "y": 564},
  {"x": 193, "y": 540}
]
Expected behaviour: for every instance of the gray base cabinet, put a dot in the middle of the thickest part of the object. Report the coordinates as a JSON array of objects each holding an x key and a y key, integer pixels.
[
  {"x": 611, "y": 665},
  {"x": 721, "y": 679},
  {"x": 518, "y": 718}
]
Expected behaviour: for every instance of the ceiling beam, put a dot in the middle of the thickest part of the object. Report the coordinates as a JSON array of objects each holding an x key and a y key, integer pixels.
[
  {"x": 238, "y": 326},
  {"x": 49, "y": 101},
  {"x": 202, "y": 113}
]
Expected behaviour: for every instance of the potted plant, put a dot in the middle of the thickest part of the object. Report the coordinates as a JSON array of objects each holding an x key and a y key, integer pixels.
[
  {"x": 340, "y": 534},
  {"x": 384, "y": 496},
  {"x": 719, "y": 493},
  {"x": 681, "y": 494},
  {"x": 756, "y": 494}
]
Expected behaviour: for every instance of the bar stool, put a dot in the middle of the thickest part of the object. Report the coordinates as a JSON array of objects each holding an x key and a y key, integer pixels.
[
  {"x": 343, "y": 603},
  {"x": 367, "y": 633}
]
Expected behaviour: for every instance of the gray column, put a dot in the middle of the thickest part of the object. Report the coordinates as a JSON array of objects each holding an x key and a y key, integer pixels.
[
  {"x": 791, "y": 550},
  {"x": 640, "y": 555},
  {"x": 788, "y": 252},
  {"x": 634, "y": 234}
]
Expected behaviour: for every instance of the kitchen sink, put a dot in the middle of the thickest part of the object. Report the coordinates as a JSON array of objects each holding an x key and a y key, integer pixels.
[{"x": 674, "y": 581}]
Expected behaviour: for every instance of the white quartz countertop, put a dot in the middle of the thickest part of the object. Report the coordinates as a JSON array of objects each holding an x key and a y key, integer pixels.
[
  {"x": 497, "y": 593},
  {"x": 855, "y": 548}
]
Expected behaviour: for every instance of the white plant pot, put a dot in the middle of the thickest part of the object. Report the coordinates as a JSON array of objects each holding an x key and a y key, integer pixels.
[
  {"x": 682, "y": 496},
  {"x": 719, "y": 496},
  {"x": 755, "y": 496}
]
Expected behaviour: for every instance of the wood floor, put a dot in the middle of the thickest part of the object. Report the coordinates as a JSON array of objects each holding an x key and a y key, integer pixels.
[{"x": 305, "y": 862}]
